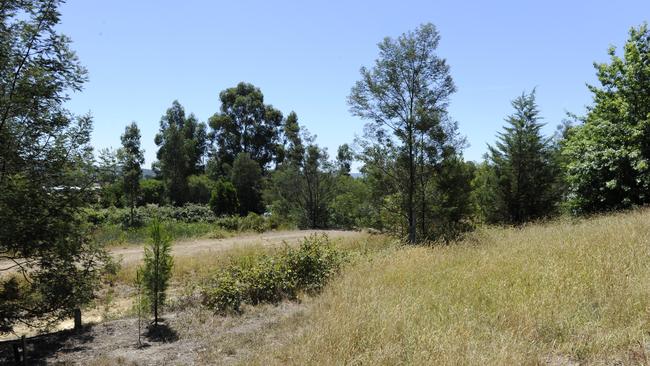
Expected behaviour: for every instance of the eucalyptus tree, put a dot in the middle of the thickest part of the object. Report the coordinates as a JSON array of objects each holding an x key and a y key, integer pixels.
[
  {"x": 245, "y": 124},
  {"x": 131, "y": 158},
  {"x": 182, "y": 142}
]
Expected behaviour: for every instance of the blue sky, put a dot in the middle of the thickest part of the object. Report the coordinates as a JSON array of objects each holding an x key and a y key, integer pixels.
[{"x": 305, "y": 56}]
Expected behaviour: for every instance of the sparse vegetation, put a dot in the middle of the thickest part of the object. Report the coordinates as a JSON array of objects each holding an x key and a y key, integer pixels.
[{"x": 556, "y": 293}]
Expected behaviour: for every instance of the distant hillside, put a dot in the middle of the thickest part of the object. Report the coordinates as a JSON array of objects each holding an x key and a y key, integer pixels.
[{"x": 148, "y": 173}]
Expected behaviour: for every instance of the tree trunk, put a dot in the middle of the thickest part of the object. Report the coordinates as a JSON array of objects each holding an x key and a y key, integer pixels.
[{"x": 411, "y": 190}]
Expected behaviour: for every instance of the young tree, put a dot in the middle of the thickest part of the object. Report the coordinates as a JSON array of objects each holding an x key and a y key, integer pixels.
[
  {"x": 50, "y": 266},
  {"x": 182, "y": 145},
  {"x": 406, "y": 94},
  {"x": 608, "y": 156},
  {"x": 245, "y": 125},
  {"x": 522, "y": 159},
  {"x": 157, "y": 268},
  {"x": 131, "y": 158},
  {"x": 246, "y": 176}
]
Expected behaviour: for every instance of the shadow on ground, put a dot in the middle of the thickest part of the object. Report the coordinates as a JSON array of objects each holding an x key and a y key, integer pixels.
[
  {"x": 161, "y": 333},
  {"x": 40, "y": 347}
]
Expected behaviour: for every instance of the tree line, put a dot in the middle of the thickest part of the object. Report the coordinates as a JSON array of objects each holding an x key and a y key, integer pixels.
[{"x": 249, "y": 157}]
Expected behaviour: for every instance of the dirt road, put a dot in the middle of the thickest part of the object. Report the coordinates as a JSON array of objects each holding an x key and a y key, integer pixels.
[{"x": 132, "y": 253}]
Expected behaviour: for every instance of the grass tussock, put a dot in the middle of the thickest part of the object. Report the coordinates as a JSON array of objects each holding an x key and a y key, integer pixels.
[{"x": 553, "y": 293}]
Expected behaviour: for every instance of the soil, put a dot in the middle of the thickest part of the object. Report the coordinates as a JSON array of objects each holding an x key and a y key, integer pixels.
[
  {"x": 194, "y": 247},
  {"x": 193, "y": 336}
]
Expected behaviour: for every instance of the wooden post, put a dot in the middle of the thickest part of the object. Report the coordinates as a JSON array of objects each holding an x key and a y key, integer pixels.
[
  {"x": 24, "y": 353},
  {"x": 20, "y": 351},
  {"x": 17, "y": 357},
  {"x": 77, "y": 319}
]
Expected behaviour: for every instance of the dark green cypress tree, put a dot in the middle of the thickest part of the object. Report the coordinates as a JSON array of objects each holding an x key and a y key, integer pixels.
[{"x": 522, "y": 160}]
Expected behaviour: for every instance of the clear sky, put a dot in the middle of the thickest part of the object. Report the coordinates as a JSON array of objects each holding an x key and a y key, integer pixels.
[{"x": 305, "y": 56}]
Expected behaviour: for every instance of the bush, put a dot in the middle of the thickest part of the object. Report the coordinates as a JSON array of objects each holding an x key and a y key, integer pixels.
[
  {"x": 152, "y": 191},
  {"x": 273, "y": 278},
  {"x": 229, "y": 223},
  {"x": 253, "y": 222}
]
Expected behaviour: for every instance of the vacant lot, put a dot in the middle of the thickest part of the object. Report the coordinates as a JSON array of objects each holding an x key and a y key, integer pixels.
[{"x": 564, "y": 292}]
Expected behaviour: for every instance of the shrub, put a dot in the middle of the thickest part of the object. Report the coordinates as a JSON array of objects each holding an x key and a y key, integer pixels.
[
  {"x": 273, "y": 278},
  {"x": 253, "y": 222},
  {"x": 152, "y": 191},
  {"x": 230, "y": 223},
  {"x": 226, "y": 296}
]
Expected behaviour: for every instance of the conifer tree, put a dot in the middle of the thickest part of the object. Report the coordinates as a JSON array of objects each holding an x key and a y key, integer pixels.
[
  {"x": 522, "y": 161},
  {"x": 157, "y": 268}
]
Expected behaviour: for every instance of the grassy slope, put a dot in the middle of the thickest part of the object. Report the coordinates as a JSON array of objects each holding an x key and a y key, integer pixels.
[{"x": 545, "y": 294}]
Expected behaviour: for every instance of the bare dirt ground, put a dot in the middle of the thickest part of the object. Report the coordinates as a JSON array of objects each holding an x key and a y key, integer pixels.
[
  {"x": 189, "y": 335},
  {"x": 192, "y": 336},
  {"x": 130, "y": 254}
]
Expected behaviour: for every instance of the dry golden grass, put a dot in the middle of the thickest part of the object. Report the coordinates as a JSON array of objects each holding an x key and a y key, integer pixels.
[{"x": 553, "y": 293}]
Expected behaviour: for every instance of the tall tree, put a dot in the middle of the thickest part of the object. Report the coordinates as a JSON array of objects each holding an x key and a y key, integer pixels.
[
  {"x": 246, "y": 176},
  {"x": 608, "y": 156},
  {"x": 48, "y": 265},
  {"x": 522, "y": 159},
  {"x": 406, "y": 94},
  {"x": 108, "y": 167},
  {"x": 131, "y": 159},
  {"x": 245, "y": 125},
  {"x": 182, "y": 145},
  {"x": 304, "y": 193},
  {"x": 344, "y": 157},
  {"x": 294, "y": 150}
]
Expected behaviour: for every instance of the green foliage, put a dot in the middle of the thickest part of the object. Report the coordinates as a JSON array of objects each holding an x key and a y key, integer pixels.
[
  {"x": 246, "y": 176},
  {"x": 157, "y": 269},
  {"x": 245, "y": 125},
  {"x": 344, "y": 158},
  {"x": 230, "y": 223},
  {"x": 182, "y": 144},
  {"x": 273, "y": 278},
  {"x": 131, "y": 157},
  {"x": 200, "y": 188},
  {"x": 608, "y": 156},
  {"x": 152, "y": 191},
  {"x": 295, "y": 150},
  {"x": 405, "y": 97},
  {"x": 524, "y": 170},
  {"x": 223, "y": 200},
  {"x": 253, "y": 222},
  {"x": 111, "y": 195},
  {"x": 351, "y": 206},
  {"x": 302, "y": 193},
  {"x": 45, "y": 171}
]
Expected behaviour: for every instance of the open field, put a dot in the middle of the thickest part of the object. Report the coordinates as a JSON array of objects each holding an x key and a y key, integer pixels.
[{"x": 559, "y": 293}]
